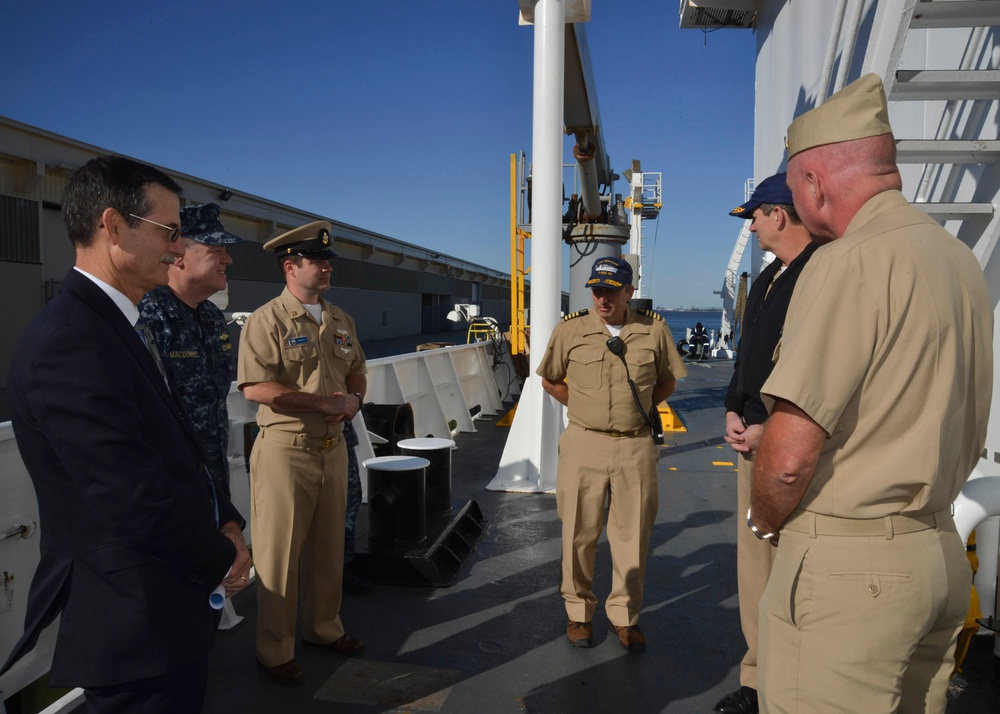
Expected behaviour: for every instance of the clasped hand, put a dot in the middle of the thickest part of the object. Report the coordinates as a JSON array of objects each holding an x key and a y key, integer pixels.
[
  {"x": 341, "y": 407},
  {"x": 742, "y": 437}
]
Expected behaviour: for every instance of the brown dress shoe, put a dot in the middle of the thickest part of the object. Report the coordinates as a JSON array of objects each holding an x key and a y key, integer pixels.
[
  {"x": 631, "y": 638},
  {"x": 580, "y": 634},
  {"x": 288, "y": 673},
  {"x": 346, "y": 645}
]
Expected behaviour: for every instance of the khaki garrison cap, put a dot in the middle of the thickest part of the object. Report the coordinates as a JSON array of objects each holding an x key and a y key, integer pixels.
[
  {"x": 312, "y": 240},
  {"x": 857, "y": 111}
]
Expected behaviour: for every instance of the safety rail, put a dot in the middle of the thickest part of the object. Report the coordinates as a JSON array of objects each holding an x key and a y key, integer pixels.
[
  {"x": 483, "y": 330},
  {"x": 448, "y": 388}
]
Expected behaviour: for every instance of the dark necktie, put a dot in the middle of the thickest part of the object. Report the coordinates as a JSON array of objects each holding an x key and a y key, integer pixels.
[{"x": 146, "y": 335}]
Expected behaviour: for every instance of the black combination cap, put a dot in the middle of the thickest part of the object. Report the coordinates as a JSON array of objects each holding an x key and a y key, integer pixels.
[{"x": 313, "y": 240}]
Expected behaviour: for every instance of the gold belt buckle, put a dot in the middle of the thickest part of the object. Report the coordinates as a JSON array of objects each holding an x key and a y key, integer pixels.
[
  {"x": 616, "y": 434},
  {"x": 327, "y": 442}
]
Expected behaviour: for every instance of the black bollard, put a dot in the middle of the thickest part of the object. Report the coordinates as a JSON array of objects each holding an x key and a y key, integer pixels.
[{"x": 396, "y": 497}]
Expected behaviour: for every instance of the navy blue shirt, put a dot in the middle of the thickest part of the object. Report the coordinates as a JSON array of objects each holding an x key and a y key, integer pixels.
[{"x": 763, "y": 321}]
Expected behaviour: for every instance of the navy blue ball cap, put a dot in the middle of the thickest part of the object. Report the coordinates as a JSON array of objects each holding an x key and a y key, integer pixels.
[
  {"x": 202, "y": 225},
  {"x": 773, "y": 190},
  {"x": 313, "y": 241},
  {"x": 614, "y": 273}
]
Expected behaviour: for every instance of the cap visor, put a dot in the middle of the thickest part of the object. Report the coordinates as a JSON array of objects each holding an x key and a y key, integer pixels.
[
  {"x": 744, "y": 211},
  {"x": 595, "y": 283}
]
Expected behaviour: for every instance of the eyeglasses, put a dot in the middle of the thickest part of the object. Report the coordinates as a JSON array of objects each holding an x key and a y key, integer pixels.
[{"x": 173, "y": 231}]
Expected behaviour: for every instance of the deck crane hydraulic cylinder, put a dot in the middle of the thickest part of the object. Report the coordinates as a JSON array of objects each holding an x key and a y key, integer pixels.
[{"x": 584, "y": 153}]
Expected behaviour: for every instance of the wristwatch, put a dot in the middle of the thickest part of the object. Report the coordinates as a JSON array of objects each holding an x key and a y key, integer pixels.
[
  {"x": 361, "y": 400},
  {"x": 756, "y": 531}
]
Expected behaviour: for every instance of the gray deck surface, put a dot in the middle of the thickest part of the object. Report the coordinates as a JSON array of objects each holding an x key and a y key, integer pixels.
[{"x": 495, "y": 640}]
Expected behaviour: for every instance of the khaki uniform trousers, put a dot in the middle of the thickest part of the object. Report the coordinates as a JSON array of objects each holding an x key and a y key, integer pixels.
[
  {"x": 298, "y": 503},
  {"x": 593, "y": 465},
  {"x": 753, "y": 567},
  {"x": 862, "y": 623}
]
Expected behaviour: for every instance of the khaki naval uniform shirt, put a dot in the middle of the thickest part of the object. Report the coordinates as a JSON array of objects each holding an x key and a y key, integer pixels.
[
  {"x": 599, "y": 395},
  {"x": 298, "y": 489},
  {"x": 282, "y": 343},
  {"x": 887, "y": 345},
  {"x": 592, "y": 466}
]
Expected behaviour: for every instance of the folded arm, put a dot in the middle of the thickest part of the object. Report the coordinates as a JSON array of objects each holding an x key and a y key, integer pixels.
[{"x": 280, "y": 397}]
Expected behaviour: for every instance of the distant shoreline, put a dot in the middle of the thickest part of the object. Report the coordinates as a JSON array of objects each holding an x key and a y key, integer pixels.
[{"x": 689, "y": 309}]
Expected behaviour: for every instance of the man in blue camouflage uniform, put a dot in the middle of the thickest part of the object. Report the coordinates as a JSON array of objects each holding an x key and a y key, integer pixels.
[{"x": 191, "y": 332}]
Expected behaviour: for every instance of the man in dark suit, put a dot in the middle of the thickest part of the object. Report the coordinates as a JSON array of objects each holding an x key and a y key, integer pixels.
[{"x": 134, "y": 534}]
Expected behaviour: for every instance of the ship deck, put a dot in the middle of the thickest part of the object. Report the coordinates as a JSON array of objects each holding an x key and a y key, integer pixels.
[{"x": 494, "y": 642}]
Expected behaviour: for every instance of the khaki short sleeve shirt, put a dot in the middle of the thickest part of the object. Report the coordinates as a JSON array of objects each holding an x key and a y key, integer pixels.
[
  {"x": 281, "y": 342},
  {"x": 599, "y": 395},
  {"x": 887, "y": 345}
]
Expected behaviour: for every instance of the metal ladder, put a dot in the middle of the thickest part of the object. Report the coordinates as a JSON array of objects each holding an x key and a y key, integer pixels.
[
  {"x": 644, "y": 203},
  {"x": 731, "y": 280},
  {"x": 953, "y": 149}
]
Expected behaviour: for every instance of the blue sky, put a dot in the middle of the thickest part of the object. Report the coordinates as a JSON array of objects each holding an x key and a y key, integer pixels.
[{"x": 397, "y": 116}]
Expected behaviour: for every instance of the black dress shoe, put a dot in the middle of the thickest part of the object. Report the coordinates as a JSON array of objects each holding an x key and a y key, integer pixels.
[
  {"x": 742, "y": 701},
  {"x": 287, "y": 673},
  {"x": 346, "y": 645}
]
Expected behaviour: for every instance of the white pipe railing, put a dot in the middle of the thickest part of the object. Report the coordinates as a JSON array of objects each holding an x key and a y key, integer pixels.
[{"x": 979, "y": 500}]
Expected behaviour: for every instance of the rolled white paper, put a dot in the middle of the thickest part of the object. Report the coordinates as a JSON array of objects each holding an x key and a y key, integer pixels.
[{"x": 218, "y": 598}]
